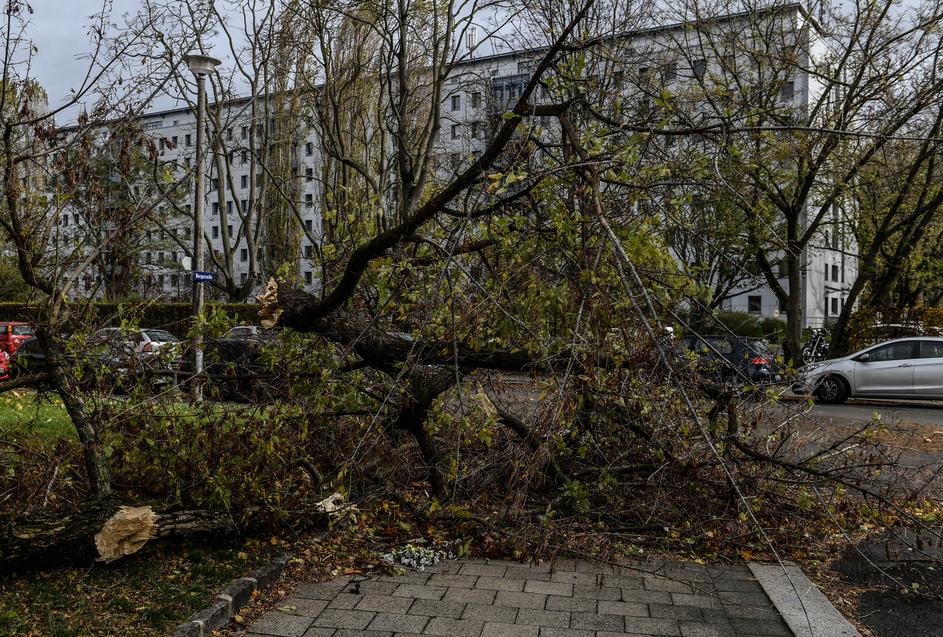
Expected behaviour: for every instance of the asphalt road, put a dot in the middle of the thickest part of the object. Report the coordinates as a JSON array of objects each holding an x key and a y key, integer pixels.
[{"x": 890, "y": 412}]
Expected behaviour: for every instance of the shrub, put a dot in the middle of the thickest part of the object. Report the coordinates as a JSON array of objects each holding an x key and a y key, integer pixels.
[{"x": 740, "y": 323}]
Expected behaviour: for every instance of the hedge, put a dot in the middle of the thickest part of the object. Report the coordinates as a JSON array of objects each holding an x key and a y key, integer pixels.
[
  {"x": 865, "y": 318},
  {"x": 744, "y": 324},
  {"x": 173, "y": 317}
]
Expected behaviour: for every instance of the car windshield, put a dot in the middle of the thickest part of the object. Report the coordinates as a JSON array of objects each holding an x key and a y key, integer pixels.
[
  {"x": 161, "y": 336},
  {"x": 760, "y": 347}
]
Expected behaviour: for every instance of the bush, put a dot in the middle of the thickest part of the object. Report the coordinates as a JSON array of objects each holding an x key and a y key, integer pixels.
[
  {"x": 740, "y": 323},
  {"x": 743, "y": 324}
]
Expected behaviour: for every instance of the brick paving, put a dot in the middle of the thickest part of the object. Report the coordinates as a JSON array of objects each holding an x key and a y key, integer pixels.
[{"x": 569, "y": 598}]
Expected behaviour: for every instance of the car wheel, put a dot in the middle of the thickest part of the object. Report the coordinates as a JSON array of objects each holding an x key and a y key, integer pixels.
[{"x": 832, "y": 390}]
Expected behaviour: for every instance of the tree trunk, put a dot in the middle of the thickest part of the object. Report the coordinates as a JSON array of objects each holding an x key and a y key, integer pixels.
[
  {"x": 52, "y": 538},
  {"x": 88, "y": 431},
  {"x": 792, "y": 343}
]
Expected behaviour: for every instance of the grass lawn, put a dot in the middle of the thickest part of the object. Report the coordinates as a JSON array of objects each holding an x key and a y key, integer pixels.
[
  {"x": 24, "y": 412},
  {"x": 146, "y": 594}
]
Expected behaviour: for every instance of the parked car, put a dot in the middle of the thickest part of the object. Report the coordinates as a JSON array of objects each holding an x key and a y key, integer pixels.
[
  {"x": 136, "y": 341},
  {"x": 235, "y": 369},
  {"x": 12, "y": 334},
  {"x": 732, "y": 358},
  {"x": 903, "y": 368},
  {"x": 127, "y": 357},
  {"x": 251, "y": 331},
  {"x": 29, "y": 358}
]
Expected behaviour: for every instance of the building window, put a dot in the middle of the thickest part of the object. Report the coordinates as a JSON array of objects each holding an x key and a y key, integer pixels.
[
  {"x": 147, "y": 258},
  {"x": 229, "y": 230},
  {"x": 75, "y": 220},
  {"x": 173, "y": 140},
  {"x": 160, "y": 258},
  {"x": 309, "y": 149},
  {"x": 244, "y": 181},
  {"x": 755, "y": 304},
  {"x": 834, "y": 273},
  {"x": 245, "y": 156},
  {"x": 670, "y": 71},
  {"x": 699, "y": 67},
  {"x": 456, "y": 102},
  {"x": 309, "y": 174},
  {"x": 476, "y": 99},
  {"x": 308, "y": 225},
  {"x": 216, "y": 232},
  {"x": 174, "y": 280},
  {"x": 309, "y": 251},
  {"x": 229, "y": 134},
  {"x": 826, "y": 272},
  {"x": 309, "y": 200},
  {"x": 243, "y": 277},
  {"x": 244, "y": 133},
  {"x": 173, "y": 256},
  {"x": 787, "y": 92},
  {"x": 474, "y": 130},
  {"x": 188, "y": 140},
  {"x": 454, "y": 131},
  {"x": 245, "y": 205},
  {"x": 215, "y": 207},
  {"x": 308, "y": 278},
  {"x": 228, "y": 207},
  {"x": 834, "y": 305},
  {"x": 65, "y": 220},
  {"x": 244, "y": 255}
]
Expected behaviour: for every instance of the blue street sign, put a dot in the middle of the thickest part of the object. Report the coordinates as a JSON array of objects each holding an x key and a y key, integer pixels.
[{"x": 202, "y": 277}]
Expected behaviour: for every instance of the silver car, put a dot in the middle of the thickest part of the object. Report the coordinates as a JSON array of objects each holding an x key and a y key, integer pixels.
[{"x": 903, "y": 368}]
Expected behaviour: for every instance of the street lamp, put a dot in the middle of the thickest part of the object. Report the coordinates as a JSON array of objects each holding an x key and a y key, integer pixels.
[{"x": 200, "y": 66}]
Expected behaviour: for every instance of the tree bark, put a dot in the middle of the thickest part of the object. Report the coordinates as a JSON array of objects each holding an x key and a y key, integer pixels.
[{"x": 53, "y": 538}]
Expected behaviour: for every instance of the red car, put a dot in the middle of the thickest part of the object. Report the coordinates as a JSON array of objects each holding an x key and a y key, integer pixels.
[{"x": 12, "y": 334}]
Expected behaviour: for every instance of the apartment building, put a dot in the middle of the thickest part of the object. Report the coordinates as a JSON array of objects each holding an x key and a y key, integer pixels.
[
  {"x": 668, "y": 57},
  {"x": 246, "y": 144}
]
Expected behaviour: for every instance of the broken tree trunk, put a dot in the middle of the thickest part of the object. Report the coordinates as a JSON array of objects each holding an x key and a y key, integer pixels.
[{"x": 104, "y": 531}]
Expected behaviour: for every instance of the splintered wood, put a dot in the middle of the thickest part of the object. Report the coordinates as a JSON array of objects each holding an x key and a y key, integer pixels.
[{"x": 125, "y": 532}]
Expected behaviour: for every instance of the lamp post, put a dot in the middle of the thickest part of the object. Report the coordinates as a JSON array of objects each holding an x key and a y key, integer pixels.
[{"x": 200, "y": 66}]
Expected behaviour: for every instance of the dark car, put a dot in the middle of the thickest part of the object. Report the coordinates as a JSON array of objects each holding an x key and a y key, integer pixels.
[
  {"x": 104, "y": 365},
  {"x": 734, "y": 358},
  {"x": 236, "y": 369}
]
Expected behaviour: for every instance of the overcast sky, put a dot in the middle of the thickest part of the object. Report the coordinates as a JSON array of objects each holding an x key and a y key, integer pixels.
[{"x": 59, "y": 31}]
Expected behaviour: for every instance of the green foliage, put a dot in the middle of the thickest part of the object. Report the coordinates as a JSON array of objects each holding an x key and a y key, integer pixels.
[
  {"x": 744, "y": 324},
  {"x": 12, "y": 286},
  {"x": 864, "y": 320}
]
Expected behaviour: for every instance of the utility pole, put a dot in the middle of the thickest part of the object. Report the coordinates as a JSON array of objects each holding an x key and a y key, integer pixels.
[{"x": 200, "y": 66}]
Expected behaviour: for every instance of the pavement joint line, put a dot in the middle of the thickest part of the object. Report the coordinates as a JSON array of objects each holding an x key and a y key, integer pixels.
[{"x": 803, "y": 607}]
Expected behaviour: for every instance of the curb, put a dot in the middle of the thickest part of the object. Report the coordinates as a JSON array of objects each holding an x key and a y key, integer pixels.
[
  {"x": 803, "y": 607},
  {"x": 228, "y": 602}
]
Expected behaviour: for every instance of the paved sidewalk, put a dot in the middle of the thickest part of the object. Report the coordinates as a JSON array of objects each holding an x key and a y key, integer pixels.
[{"x": 568, "y": 598}]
